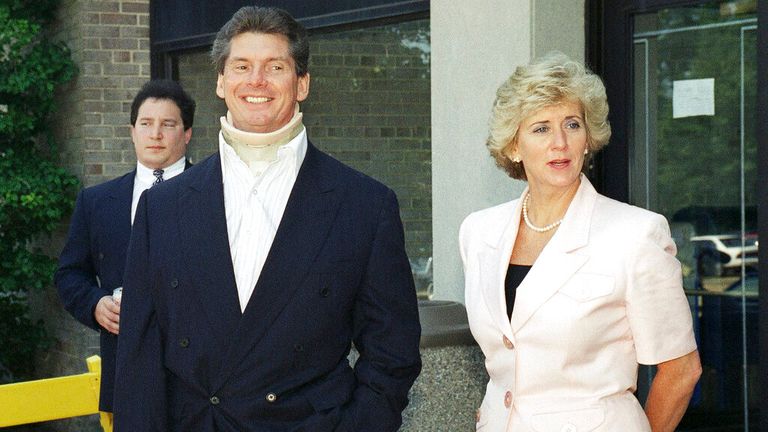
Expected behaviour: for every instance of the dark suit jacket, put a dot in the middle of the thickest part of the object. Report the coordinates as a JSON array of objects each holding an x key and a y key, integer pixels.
[
  {"x": 189, "y": 360},
  {"x": 92, "y": 262}
]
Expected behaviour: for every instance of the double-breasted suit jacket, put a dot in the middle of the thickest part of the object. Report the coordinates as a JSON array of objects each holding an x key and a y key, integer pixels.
[
  {"x": 92, "y": 262},
  {"x": 604, "y": 295},
  {"x": 189, "y": 359}
]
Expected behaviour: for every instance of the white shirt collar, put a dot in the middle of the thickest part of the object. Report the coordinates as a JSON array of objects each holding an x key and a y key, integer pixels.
[{"x": 145, "y": 174}]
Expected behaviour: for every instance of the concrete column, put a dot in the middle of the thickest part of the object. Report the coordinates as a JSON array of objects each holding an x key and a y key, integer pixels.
[{"x": 475, "y": 47}]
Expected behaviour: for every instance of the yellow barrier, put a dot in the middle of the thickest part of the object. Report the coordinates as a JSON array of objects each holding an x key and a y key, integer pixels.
[{"x": 54, "y": 398}]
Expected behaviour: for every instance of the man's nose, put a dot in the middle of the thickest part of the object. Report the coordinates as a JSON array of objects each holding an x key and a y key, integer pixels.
[
  {"x": 156, "y": 132},
  {"x": 256, "y": 77}
]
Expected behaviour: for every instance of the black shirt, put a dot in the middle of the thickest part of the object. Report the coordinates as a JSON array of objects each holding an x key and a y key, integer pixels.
[{"x": 515, "y": 275}]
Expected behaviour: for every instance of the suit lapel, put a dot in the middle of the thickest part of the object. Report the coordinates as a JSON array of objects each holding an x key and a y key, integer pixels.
[
  {"x": 496, "y": 258},
  {"x": 559, "y": 260},
  {"x": 118, "y": 213},
  {"x": 307, "y": 219},
  {"x": 205, "y": 244}
]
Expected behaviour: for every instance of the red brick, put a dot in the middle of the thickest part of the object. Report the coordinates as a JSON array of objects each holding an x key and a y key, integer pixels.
[
  {"x": 135, "y": 7},
  {"x": 119, "y": 19},
  {"x": 95, "y": 169},
  {"x": 100, "y": 6},
  {"x": 119, "y": 43},
  {"x": 121, "y": 56}
]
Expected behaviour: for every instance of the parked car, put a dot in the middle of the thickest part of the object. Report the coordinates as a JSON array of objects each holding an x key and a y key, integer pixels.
[
  {"x": 718, "y": 255},
  {"x": 713, "y": 220}
]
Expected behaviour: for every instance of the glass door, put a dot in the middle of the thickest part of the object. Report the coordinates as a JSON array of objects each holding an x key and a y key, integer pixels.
[{"x": 692, "y": 157}]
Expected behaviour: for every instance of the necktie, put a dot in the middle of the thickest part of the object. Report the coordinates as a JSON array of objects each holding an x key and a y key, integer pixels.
[{"x": 158, "y": 176}]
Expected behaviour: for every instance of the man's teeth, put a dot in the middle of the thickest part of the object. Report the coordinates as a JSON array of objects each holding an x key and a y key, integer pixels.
[{"x": 251, "y": 99}]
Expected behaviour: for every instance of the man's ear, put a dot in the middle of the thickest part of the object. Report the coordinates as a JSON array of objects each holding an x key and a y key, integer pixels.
[
  {"x": 302, "y": 88},
  {"x": 220, "y": 86}
]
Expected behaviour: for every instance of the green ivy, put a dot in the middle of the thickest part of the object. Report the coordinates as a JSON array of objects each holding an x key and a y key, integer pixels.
[{"x": 35, "y": 194}]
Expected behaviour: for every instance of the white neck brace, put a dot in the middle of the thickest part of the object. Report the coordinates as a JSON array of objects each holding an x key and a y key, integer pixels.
[{"x": 258, "y": 150}]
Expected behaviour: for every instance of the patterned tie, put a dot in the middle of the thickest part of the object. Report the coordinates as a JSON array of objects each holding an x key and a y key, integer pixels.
[{"x": 158, "y": 176}]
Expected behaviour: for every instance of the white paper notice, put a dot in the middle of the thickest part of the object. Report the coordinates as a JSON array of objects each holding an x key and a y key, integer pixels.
[{"x": 693, "y": 98}]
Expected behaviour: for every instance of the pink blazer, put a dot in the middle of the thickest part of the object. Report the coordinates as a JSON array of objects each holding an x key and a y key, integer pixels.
[{"x": 604, "y": 295}]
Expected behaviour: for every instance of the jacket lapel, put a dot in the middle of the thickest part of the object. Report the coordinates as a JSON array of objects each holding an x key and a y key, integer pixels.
[
  {"x": 205, "y": 243},
  {"x": 496, "y": 258},
  {"x": 560, "y": 259},
  {"x": 119, "y": 213},
  {"x": 307, "y": 219}
]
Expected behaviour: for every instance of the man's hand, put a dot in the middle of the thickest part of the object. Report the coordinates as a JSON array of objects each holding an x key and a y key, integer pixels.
[{"x": 107, "y": 314}]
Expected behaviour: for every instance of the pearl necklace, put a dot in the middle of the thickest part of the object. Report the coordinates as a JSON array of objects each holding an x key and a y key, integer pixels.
[{"x": 530, "y": 225}]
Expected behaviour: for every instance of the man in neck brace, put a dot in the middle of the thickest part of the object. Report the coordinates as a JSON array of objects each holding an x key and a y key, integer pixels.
[{"x": 250, "y": 276}]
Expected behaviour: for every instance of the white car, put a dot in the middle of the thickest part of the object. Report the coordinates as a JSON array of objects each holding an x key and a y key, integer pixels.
[{"x": 722, "y": 254}]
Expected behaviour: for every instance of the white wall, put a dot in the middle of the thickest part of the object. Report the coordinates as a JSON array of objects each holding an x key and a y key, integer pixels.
[{"x": 475, "y": 46}]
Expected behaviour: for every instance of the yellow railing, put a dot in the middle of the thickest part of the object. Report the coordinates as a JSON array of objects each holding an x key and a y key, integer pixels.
[{"x": 54, "y": 398}]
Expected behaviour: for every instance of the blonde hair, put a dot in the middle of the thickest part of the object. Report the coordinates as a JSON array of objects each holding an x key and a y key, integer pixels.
[{"x": 547, "y": 81}]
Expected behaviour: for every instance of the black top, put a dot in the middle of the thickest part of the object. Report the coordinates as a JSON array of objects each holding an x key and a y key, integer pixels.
[{"x": 515, "y": 275}]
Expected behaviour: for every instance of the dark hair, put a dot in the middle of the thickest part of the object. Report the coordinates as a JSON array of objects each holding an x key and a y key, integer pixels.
[
  {"x": 165, "y": 89},
  {"x": 269, "y": 20}
]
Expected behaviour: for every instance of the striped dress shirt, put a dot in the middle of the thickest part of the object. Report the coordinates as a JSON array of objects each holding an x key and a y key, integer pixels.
[{"x": 254, "y": 206}]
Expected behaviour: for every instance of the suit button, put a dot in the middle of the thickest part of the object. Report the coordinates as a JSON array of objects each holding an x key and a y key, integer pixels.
[
  {"x": 215, "y": 400},
  {"x": 324, "y": 291},
  {"x": 508, "y": 399},
  {"x": 183, "y": 342},
  {"x": 101, "y": 256},
  {"x": 174, "y": 283},
  {"x": 298, "y": 348},
  {"x": 271, "y": 397},
  {"x": 508, "y": 343},
  {"x": 569, "y": 428}
]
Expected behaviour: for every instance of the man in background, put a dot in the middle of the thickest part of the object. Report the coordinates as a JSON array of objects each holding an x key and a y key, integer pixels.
[{"x": 92, "y": 262}]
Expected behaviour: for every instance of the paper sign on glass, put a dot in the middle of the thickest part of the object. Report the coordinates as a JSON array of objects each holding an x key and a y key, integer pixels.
[{"x": 693, "y": 98}]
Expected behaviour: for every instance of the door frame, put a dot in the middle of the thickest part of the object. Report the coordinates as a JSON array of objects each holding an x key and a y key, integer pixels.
[{"x": 609, "y": 41}]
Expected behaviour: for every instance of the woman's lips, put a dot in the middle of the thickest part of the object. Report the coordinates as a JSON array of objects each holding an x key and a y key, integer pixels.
[{"x": 559, "y": 163}]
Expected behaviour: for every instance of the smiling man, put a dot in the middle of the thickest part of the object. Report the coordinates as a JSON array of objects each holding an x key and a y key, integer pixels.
[
  {"x": 92, "y": 262},
  {"x": 249, "y": 278}
]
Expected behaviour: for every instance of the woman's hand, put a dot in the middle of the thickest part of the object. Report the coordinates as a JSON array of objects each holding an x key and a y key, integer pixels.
[{"x": 671, "y": 391}]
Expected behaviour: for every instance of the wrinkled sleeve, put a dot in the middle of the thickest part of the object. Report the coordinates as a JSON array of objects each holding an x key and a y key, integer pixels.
[
  {"x": 386, "y": 331},
  {"x": 657, "y": 308},
  {"x": 75, "y": 277}
]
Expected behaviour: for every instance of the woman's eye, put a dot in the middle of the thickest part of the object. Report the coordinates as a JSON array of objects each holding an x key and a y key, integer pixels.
[
  {"x": 573, "y": 125},
  {"x": 540, "y": 129}
]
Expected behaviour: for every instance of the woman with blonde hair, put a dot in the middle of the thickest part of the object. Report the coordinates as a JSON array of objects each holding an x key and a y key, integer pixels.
[{"x": 567, "y": 291}]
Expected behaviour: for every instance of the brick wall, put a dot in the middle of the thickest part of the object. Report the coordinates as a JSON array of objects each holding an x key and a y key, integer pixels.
[
  {"x": 110, "y": 44},
  {"x": 368, "y": 105},
  {"x": 109, "y": 41}
]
